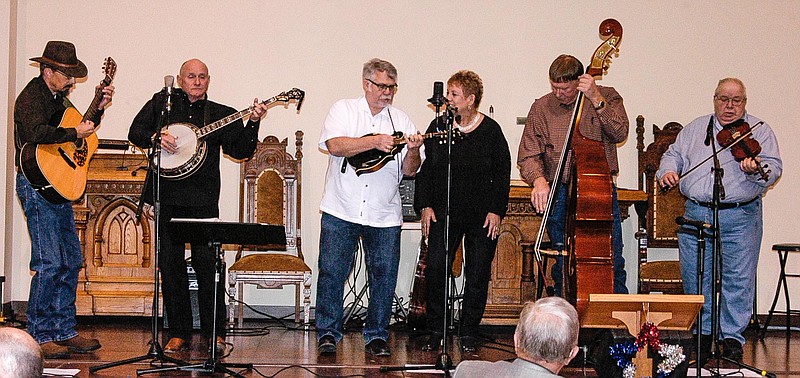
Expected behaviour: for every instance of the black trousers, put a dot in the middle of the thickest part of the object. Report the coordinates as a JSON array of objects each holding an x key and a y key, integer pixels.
[
  {"x": 175, "y": 279},
  {"x": 478, "y": 255}
]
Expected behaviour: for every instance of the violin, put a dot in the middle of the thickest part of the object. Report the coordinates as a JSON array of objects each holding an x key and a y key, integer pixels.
[{"x": 738, "y": 137}]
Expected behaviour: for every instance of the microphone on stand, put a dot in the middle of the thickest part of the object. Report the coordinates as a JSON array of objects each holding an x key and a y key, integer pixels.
[
  {"x": 169, "y": 81},
  {"x": 438, "y": 98},
  {"x": 710, "y": 131},
  {"x": 694, "y": 223}
]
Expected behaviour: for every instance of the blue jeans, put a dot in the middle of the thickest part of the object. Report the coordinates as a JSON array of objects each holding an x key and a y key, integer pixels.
[
  {"x": 338, "y": 243},
  {"x": 555, "y": 230},
  {"x": 56, "y": 259},
  {"x": 741, "y": 230}
]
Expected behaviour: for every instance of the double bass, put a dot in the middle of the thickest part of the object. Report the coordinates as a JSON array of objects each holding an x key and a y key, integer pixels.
[{"x": 589, "y": 264}]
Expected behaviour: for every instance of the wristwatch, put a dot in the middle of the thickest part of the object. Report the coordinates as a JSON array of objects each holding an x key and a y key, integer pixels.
[{"x": 601, "y": 105}]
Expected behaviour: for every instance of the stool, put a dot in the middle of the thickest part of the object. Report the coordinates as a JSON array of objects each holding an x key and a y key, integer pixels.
[{"x": 783, "y": 252}]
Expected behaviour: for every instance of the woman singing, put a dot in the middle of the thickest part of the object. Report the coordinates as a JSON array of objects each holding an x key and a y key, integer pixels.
[{"x": 480, "y": 177}]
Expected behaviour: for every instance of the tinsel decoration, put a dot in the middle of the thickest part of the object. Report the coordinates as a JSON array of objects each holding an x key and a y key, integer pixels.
[
  {"x": 623, "y": 352},
  {"x": 649, "y": 335},
  {"x": 672, "y": 356}
]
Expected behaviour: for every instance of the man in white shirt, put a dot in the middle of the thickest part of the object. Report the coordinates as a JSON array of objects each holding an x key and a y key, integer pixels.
[{"x": 364, "y": 204}]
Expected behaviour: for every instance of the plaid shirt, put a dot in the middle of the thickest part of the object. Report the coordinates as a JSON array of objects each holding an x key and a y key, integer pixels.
[{"x": 546, "y": 129}]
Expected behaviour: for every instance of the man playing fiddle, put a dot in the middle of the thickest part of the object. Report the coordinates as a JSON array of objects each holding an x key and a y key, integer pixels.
[{"x": 740, "y": 211}]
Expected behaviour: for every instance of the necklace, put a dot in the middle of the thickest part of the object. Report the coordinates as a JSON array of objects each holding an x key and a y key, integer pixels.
[{"x": 471, "y": 124}]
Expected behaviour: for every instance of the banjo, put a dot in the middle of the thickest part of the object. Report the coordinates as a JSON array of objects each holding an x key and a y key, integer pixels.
[{"x": 189, "y": 138}]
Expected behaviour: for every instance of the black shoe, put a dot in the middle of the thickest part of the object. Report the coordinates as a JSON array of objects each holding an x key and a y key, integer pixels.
[
  {"x": 705, "y": 349},
  {"x": 327, "y": 345},
  {"x": 469, "y": 344},
  {"x": 378, "y": 348},
  {"x": 434, "y": 342},
  {"x": 732, "y": 349}
]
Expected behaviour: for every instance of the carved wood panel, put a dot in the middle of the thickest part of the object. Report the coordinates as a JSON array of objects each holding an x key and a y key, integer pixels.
[
  {"x": 514, "y": 270},
  {"x": 117, "y": 277}
]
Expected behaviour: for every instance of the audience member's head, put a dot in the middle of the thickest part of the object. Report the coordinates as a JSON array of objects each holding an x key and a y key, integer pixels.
[
  {"x": 20, "y": 355},
  {"x": 547, "y": 333}
]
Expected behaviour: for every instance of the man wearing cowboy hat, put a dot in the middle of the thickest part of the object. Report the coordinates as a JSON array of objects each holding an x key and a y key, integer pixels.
[{"x": 56, "y": 255}]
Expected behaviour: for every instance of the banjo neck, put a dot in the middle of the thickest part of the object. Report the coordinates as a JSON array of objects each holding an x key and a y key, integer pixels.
[{"x": 294, "y": 93}]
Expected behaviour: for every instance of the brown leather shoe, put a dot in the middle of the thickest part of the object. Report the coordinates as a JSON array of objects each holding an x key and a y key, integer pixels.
[
  {"x": 220, "y": 345},
  {"x": 51, "y": 350},
  {"x": 80, "y": 344},
  {"x": 175, "y": 344}
]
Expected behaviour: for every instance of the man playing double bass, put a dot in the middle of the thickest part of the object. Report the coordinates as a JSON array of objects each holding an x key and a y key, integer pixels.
[{"x": 604, "y": 119}]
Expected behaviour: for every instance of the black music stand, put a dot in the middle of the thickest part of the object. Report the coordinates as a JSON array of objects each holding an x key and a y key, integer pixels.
[{"x": 215, "y": 233}]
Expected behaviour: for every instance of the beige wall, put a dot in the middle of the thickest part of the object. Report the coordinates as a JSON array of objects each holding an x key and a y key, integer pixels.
[{"x": 671, "y": 57}]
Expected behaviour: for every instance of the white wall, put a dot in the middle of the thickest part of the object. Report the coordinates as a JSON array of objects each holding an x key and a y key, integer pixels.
[{"x": 671, "y": 57}]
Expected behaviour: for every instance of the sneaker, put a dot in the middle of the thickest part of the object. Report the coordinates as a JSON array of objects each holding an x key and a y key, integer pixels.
[
  {"x": 327, "y": 345},
  {"x": 378, "y": 348},
  {"x": 732, "y": 349},
  {"x": 51, "y": 350},
  {"x": 80, "y": 344}
]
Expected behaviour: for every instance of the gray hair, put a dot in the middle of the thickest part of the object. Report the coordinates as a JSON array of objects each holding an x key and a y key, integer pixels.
[
  {"x": 547, "y": 330},
  {"x": 20, "y": 355},
  {"x": 374, "y": 65},
  {"x": 731, "y": 80}
]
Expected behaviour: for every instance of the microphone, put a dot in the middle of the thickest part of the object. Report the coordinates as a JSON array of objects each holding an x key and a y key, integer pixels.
[
  {"x": 438, "y": 98},
  {"x": 169, "y": 81},
  {"x": 710, "y": 131},
  {"x": 695, "y": 223}
]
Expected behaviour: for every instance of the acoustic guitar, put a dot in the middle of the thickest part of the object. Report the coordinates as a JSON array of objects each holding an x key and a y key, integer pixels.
[
  {"x": 372, "y": 160},
  {"x": 58, "y": 171}
]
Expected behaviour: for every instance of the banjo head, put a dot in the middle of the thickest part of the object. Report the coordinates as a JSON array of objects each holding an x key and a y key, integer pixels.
[{"x": 190, "y": 154}]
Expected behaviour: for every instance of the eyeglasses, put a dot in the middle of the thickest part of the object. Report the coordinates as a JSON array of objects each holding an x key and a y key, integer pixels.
[
  {"x": 736, "y": 101},
  {"x": 384, "y": 87}
]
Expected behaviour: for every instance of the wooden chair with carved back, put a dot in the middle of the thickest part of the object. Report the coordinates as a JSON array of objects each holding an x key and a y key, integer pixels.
[
  {"x": 270, "y": 193},
  {"x": 660, "y": 230}
]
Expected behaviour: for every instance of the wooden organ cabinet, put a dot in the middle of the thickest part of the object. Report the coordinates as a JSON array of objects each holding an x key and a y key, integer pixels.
[
  {"x": 118, "y": 252},
  {"x": 514, "y": 272}
]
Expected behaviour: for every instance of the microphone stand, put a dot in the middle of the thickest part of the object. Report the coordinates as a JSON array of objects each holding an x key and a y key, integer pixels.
[
  {"x": 156, "y": 352},
  {"x": 718, "y": 194},
  {"x": 444, "y": 362}
]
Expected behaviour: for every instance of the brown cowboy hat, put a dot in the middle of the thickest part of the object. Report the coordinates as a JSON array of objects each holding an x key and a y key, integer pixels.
[{"x": 61, "y": 56}]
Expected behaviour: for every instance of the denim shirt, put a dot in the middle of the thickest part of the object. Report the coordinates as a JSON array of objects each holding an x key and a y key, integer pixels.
[{"x": 689, "y": 150}]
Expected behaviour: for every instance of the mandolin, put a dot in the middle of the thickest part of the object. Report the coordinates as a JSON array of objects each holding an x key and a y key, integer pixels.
[{"x": 375, "y": 159}]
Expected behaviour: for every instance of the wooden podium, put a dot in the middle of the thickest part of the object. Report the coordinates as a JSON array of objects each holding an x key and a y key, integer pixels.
[{"x": 631, "y": 311}]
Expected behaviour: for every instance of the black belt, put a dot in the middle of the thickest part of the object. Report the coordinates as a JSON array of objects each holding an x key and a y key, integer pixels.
[{"x": 726, "y": 205}]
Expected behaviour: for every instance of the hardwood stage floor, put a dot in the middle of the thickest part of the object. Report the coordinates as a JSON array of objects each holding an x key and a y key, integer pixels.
[{"x": 280, "y": 352}]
